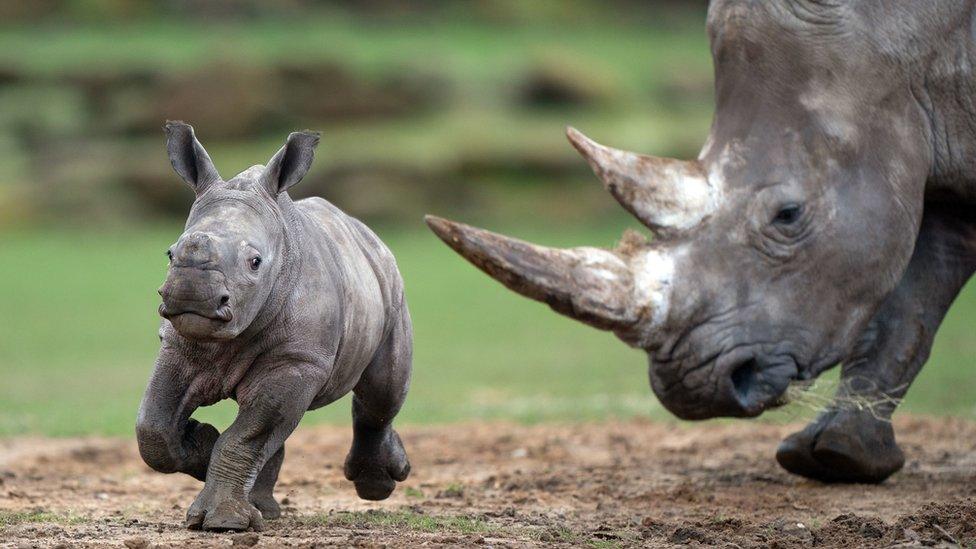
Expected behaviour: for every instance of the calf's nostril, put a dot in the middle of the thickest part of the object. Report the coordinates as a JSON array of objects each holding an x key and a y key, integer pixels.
[{"x": 224, "y": 300}]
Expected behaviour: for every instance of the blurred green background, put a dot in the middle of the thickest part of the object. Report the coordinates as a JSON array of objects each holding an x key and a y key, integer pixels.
[{"x": 454, "y": 108}]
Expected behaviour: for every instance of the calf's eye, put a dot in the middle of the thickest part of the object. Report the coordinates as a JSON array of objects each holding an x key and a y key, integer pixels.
[
  {"x": 788, "y": 214},
  {"x": 255, "y": 263}
]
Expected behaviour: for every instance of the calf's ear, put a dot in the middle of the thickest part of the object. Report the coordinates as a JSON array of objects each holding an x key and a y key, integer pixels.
[
  {"x": 189, "y": 158},
  {"x": 290, "y": 164}
]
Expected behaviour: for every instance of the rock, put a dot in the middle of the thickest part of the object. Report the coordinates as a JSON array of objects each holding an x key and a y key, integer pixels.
[
  {"x": 683, "y": 535},
  {"x": 247, "y": 539},
  {"x": 793, "y": 529},
  {"x": 137, "y": 542}
]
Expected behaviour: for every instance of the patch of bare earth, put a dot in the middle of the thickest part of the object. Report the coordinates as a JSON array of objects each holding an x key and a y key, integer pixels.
[{"x": 603, "y": 485}]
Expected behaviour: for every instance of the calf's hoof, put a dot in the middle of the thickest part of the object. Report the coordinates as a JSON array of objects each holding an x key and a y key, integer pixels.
[
  {"x": 266, "y": 503},
  {"x": 843, "y": 446},
  {"x": 376, "y": 468},
  {"x": 223, "y": 513}
]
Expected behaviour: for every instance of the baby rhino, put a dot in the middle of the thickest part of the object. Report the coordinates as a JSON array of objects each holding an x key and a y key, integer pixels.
[{"x": 284, "y": 307}]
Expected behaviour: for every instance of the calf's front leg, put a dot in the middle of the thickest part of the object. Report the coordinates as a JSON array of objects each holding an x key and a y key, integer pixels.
[
  {"x": 851, "y": 443},
  {"x": 270, "y": 409},
  {"x": 262, "y": 494},
  {"x": 169, "y": 440}
]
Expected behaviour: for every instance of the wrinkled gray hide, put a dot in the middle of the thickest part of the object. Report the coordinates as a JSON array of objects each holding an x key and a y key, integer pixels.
[
  {"x": 828, "y": 219},
  {"x": 284, "y": 307}
]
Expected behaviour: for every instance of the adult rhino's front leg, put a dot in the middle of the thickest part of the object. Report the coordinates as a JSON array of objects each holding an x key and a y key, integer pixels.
[
  {"x": 850, "y": 443},
  {"x": 270, "y": 409}
]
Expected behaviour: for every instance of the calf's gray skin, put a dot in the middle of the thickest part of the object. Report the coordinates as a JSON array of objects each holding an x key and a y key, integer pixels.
[
  {"x": 828, "y": 219},
  {"x": 285, "y": 307}
]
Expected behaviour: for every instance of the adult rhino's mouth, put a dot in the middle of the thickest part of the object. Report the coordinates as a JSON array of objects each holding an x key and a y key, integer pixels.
[
  {"x": 760, "y": 383},
  {"x": 743, "y": 382}
]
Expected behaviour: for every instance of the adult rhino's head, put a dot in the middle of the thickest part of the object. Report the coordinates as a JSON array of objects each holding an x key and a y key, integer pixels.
[
  {"x": 223, "y": 267},
  {"x": 774, "y": 247}
]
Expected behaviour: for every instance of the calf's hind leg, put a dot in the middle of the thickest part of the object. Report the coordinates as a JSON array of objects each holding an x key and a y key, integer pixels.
[
  {"x": 855, "y": 444},
  {"x": 377, "y": 459}
]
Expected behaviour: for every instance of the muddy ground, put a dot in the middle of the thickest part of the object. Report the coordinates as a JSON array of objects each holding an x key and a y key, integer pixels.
[{"x": 599, "y": 485}]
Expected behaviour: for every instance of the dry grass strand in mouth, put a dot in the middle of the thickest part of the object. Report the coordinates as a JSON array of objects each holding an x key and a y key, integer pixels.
[{"x": 820, "y": 395}]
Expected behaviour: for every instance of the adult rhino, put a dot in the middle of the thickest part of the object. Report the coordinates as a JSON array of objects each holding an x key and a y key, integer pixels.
[{"x": 827, "y": 220}]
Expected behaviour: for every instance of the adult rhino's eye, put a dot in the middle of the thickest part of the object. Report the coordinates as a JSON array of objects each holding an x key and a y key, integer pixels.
[
  {"x": 788, "y": 215},
  {"x": 255, "y": 263}
]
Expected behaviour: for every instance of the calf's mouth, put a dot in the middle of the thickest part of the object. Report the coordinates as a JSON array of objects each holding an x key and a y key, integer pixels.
[
  {"x": 222, "y": 314},
  {"x": 196, "y": 324},
  {"x": 194, "y": 316}
]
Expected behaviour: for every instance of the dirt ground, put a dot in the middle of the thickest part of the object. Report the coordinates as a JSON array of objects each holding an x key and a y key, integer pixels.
[{"x": 599, "y": 485}]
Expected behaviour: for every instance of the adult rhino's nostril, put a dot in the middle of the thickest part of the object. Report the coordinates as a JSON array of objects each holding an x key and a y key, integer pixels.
[
  {"x": 224, "y": 300},
  {"x": 745, "y": 382}
]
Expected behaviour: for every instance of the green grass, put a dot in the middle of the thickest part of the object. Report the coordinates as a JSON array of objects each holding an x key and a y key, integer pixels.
[
  {"x": 412, "y": 492},
  {"x": 476, "y": 52},
  {"x": 604, "y": 544},
  {"x": 641, "y": 72},
  {"x": 404, "y": 520},
  {"x": 78, "y": 339},
  {"x": 413, "y": 521},
  {"x": 11, "y": 518},
  {"x": 439, "y": 140},
  {"x": 482, "y": 66}
]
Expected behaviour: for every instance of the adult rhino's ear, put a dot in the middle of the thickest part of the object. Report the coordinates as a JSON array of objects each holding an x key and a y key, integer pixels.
[
  {"x": 189, "y": 158},
  {"x": 290, "y": 164}
]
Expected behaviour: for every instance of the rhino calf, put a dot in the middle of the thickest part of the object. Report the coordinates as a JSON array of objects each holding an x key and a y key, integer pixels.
[{"x": 285, "y": 307}]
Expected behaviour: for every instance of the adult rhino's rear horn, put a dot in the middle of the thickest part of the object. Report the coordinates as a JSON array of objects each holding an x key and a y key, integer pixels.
[
  {"x": 665, "y": 194},
  {"x": 591, "y": 285}
]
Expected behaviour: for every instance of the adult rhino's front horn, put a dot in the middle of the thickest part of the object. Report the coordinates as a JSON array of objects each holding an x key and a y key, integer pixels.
[
  {"x": 589, "y": 284},
  {"x": 626, "y": 290}
]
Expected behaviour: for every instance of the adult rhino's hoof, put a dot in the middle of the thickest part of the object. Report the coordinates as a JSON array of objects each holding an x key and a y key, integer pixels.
[
  {"x": 375, "y": 469},
  {"x": 843, "y": 446},
  {"x": 223, "y": 514}
]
